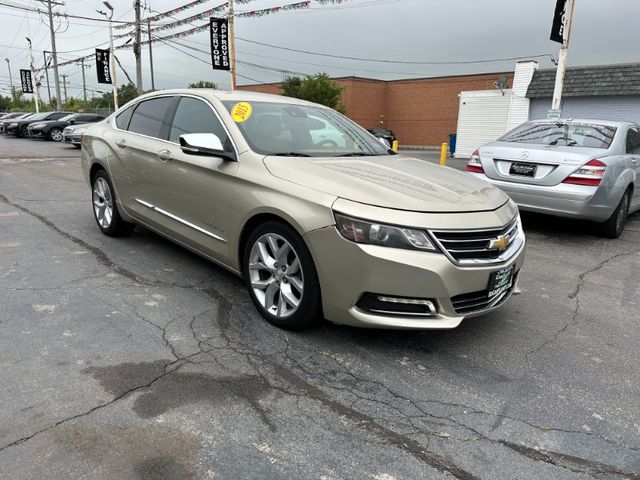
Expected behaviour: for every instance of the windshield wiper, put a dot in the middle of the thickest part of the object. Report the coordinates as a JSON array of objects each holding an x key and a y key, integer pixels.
[
  {"x": 290, "y": 154},
  {"x": 357, "y": 154}
]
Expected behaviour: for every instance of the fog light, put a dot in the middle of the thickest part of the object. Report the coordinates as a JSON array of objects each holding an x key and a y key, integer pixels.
[{"x": 399, "y": 306}]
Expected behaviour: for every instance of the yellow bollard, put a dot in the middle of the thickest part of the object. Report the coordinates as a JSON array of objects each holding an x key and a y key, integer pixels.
[
  {"x": 443, "y": 154},
  {"x": 395, "y": 146}
]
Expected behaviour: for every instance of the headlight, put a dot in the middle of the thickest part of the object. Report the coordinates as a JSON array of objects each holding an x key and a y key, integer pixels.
[
  {"x": 372, "y": 233},
  {"x": 79, "y": 131},
  {"x": 14, "y": 124}
]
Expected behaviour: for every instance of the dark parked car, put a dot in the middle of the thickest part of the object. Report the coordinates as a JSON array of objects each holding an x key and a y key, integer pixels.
[
  {"x": 384, "y": 134},
  {"x": 52, "y": 129},
  {"x": 5, "y": 119},
  {"x": 19, "y": 127}
]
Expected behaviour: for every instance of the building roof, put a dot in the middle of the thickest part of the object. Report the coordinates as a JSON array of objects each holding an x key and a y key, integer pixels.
[{"x": 602, "y": 80}]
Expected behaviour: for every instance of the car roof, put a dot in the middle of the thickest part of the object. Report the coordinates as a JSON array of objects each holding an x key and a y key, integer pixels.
[
  {"x": 595, "y": 121},
  {"x": 236, "y": 95}
]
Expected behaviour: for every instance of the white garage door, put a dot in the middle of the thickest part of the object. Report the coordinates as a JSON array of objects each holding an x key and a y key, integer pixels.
[{"x": 601, "y": 108}]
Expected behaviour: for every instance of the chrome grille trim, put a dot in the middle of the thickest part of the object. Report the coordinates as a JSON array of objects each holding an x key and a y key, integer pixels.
[
  {"x": 477, "y": 302},
  {"x": 473, "y": 247}
]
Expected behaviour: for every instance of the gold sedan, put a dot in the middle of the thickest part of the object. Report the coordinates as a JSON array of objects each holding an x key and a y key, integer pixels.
[{"x": 320, "y": 218}]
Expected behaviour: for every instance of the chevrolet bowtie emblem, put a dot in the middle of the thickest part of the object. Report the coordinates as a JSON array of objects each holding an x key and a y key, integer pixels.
[{"x": 501, "y": 243}]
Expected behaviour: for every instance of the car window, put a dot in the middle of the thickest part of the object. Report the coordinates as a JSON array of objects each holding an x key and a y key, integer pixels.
[
  {"x": 571, "y": 134},
  {"x": 288, "y": 129},
  {"x": 633, "y": 141},
  {"x": 149, "y": 117},
  {"x": 196, "y": 116},
  {"x": 122, "y": 120},
  {"x": 58, "y": 115}
]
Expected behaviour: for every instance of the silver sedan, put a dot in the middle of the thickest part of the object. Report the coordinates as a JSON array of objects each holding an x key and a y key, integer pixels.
[{"x": 586, "y": 169}]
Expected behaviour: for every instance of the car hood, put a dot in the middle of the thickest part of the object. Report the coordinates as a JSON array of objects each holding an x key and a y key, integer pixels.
[{"x": 397, "y": 182}]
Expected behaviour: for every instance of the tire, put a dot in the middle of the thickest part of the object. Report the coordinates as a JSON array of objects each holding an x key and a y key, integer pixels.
[
  {"x": 614, "y": 226},
  {"x": 23, "y": 132},
  {"x": 55, "y": 135},
  {"x": 105, "y": 207},
  {"x": 77, "y": 146},
  {"x": 288, "y": 296}
]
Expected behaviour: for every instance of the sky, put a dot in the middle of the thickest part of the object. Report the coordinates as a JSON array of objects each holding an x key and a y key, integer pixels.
[{"x": 604, "y": 32}]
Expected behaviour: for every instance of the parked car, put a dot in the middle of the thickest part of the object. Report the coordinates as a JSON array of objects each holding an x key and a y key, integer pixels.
[
  {"x": 11, "y": 117},
  {"x": 384, "y": 134},
  {"x": 52, "y": 129},
  {"x": 584, "y": 169},
  {"x": 19, "y": 127},
  {"x": 73, "y": 134},
  {"x": 351, "y": 232}
]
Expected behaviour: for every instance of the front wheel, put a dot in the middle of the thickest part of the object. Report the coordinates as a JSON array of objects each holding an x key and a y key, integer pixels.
[
  {"x": 55, "y": 134},
  {"x": 281, "y": 277},
  {"x": 614, "y": 226}
]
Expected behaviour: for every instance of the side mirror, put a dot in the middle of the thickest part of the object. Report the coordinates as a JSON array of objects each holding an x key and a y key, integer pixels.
[
  {"x": 204, "y": 144},
  {"x": 71, "y": 122}
]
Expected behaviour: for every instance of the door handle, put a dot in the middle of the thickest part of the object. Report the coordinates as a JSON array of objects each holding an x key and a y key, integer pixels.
[
  {"x": 121, "y": 143},
  {"x": 164, "y": 155}
]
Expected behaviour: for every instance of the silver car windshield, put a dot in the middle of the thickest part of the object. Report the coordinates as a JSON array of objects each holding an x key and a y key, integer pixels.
[
  {"x": 565, "y": 134},
  {"x": 299, "y": 130}
]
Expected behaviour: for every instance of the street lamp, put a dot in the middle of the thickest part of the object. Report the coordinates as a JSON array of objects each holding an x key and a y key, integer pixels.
[{"x": 112, "y": 66}]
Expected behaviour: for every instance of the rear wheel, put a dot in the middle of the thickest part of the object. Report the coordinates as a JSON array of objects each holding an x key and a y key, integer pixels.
[
  {"x": 281, "y": 277},
  {"x": 105, "y": 209},
  {"x": 23, "y": 132},
  {"x": 55, "y": 134},
  {"x": 614, "y": 226}
]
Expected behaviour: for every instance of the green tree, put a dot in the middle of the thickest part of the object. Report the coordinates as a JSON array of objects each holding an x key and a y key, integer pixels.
[
  {"x": 203, "y": 84},
  {"x": 317, "y": 88}
]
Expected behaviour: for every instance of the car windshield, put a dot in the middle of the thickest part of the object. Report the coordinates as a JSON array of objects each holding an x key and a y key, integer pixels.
[
  {"x": 66, "y": 118},
  {"x": 564, "y": 134},
  {"x": 287, "y": 129},
  {"x": 38, "y": 116}
]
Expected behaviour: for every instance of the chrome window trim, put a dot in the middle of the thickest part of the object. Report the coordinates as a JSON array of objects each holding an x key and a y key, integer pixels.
[
  {"x": 112, "y": 119},
  {"x": 179, "y": 219}
]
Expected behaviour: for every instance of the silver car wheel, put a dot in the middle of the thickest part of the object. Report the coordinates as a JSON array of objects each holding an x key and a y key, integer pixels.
[
  {"x": 275, "y": 274},
  {"x": 102, "y": 202},
  {"x": 56, "y": 135}
]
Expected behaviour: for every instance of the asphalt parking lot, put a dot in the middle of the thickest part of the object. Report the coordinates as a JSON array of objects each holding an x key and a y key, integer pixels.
[{"x": 132, "y": 358}]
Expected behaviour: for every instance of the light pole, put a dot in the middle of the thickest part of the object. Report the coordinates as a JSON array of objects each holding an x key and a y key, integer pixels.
[
  {"x": 13, "y": 94},
  {"x": 562, "y": 57},
  {"x": 46, "y": 72},
  {"x": 33, "y": 75},
  {"x": 112, "y": 65}
]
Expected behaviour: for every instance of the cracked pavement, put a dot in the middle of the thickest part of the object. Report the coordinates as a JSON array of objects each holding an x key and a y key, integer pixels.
[{"x": 133, "y": 358}]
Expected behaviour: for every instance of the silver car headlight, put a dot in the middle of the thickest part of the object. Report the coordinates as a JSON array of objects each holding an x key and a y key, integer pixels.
[{"x": 373, "y": 233}]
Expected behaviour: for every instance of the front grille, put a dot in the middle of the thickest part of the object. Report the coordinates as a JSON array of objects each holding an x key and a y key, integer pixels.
[
  {"x": 475, "y": 246},
  {"x": 477, "y": 301}
]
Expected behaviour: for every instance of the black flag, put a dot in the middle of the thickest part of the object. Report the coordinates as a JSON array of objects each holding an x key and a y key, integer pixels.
[
  {"x": 219, "y": 32},
  {"x": 102, "y": 66},
  {"x": 25, "y": 80},
  {"x": 557, "y": 30}
]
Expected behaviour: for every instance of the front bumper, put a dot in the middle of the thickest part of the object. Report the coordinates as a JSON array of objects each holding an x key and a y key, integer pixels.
[
  {"x": 563, "y": 200},
  {"x": 73, "y": 139},
  {"x": 35, "y": 132},
  {"x": 347, "y": 270}
]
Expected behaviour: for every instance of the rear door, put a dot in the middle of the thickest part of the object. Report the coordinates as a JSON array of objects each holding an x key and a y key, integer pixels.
[
  {"x": 542, "y": 154},
  {"x": 136, "y": 165},
  {"x": 633, "y": 154}
]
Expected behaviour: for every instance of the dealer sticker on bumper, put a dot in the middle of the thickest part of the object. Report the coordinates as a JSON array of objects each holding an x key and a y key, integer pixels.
[{"x": 500, "y": 281}]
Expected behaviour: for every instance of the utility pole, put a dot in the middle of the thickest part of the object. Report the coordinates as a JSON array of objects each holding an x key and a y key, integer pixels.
[
  {"x": 562, "y": 56},
  {"x": 54, "y": 54},
  {"x": 33, "y": 75},
  {"x": 13, "y": 92},
  {"x": 137, "y": 48},
  {"x": 46, "y": 72},
  {"x": 84, "y": 83},
  {"x": 153, "y": 80},
  {"x": 64, "y": 83},
  {"x": 232, "y": 45}
]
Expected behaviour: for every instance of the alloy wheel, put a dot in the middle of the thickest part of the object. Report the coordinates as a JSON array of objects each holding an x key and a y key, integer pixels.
[
  {"x": 56, "y": 135},
  {"x": 623, "y": 213},
  {"x": 102, "y": 202},
  {"x": 276, "y": 276}
]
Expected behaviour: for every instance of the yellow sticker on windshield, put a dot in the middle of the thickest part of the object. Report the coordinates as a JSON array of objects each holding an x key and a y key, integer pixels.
[{"x": 241, "y": 112}]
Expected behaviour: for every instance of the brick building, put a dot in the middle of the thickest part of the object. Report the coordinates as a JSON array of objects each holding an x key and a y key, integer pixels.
[{"x": 422, "y": 111}]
